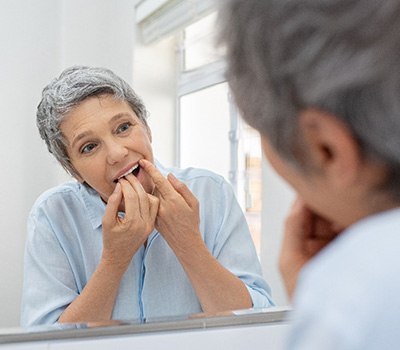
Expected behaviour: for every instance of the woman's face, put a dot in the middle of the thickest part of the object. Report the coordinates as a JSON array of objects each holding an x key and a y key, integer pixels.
[
  {"x": 311, "y": 187},
  {"x": 105, "y": 141}
]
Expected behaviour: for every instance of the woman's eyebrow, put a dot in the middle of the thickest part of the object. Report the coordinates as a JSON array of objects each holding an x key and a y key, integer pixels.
[
  {"x": 119, "y": 116},
  {"x": 80, "y": 137}
]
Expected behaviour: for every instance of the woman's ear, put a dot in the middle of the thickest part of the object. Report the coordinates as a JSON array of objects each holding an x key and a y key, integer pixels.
[{"x": 331, "y": 147}]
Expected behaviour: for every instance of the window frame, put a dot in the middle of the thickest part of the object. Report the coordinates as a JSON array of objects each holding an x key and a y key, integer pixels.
[{"x": 191, "y": 81}]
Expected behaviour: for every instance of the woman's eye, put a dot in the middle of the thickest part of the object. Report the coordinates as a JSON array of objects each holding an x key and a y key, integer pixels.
[
  {"x": 88, "y": 148},
  {"x": 124, "y": 127}
]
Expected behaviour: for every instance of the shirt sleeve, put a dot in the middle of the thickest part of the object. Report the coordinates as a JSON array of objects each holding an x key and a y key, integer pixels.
[
  {"x": 233, "y": 246},
  {"x": 49, "y": 285},
  {"x": 347, "y": 296}
]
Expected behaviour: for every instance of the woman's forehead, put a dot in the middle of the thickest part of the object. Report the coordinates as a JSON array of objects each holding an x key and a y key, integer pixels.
[
  {"x": 102, "y": 106},
  {"x": 93, "y": 111}
]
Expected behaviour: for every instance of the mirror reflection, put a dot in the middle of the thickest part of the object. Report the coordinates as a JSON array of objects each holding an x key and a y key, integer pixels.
[
  {"x": 129, "y": 238},
  {"x": 179, "y": 75}
]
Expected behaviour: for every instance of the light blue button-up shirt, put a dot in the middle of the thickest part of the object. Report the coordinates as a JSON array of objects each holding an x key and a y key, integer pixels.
[
  {"x": 349, "y": 295},
  {"x": 64, "y": 246}
]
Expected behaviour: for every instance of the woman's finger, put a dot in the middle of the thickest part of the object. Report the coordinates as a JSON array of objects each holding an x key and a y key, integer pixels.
[
  {"x": 162, "y": 184},
  {"x": 184, "y": 191},
  {"x": 154, "y": 204},
  {"x": 131, "y": 201},
  {"x": 113, "y": 203},
  {"x": 143, "y": 200}
]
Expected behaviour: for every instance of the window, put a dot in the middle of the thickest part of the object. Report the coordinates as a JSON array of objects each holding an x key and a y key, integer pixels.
[
  {"x": 199, "y": 39},
  {"x": 211, "y": 134},
  {"x": 204, "y": 120}
]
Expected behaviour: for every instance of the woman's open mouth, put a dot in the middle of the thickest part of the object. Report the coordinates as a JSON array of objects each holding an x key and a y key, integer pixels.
[{"x": 134, "y": 170}]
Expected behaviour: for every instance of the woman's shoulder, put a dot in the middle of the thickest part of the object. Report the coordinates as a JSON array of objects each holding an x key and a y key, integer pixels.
[
  {"x": 193, "y": 174},
  {"x": 65, "y": 192}
]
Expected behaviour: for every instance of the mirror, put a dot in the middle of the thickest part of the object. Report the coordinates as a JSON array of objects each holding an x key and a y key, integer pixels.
[
  {"x": 41, "y": 38},
  {"x": 265, "y": 328}
]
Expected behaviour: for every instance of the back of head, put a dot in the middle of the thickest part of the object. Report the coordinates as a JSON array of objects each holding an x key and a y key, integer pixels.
[
  {"x": 340, "y": 56},
  {"x": 74, "y": 85}
]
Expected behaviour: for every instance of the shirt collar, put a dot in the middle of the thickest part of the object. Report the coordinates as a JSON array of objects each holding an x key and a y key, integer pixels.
[
  {"x": 95, "y": 206},
  {"x": 389, "y": 217}
]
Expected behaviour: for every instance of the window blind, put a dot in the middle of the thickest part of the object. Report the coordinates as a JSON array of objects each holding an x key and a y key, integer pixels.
[{"x": 157, "y": 19}]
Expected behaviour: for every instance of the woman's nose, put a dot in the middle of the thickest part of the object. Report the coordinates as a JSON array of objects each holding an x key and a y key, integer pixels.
[{"x": 116, "y": 152}]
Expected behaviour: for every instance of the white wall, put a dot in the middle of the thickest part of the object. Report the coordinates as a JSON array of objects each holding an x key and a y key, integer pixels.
[
  {"x": 154, "y": 80},
  {"x": 98, "y": 33},
  {"x": 38, "y": 39},
  {"x": 29, "y": 56}
]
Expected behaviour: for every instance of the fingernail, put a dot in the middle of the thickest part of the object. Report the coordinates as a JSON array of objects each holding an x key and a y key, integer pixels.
[{"x": 173, "y": 177}]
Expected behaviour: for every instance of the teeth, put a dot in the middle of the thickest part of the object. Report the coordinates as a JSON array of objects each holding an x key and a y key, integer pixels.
[{"x": 129, "y": 171}]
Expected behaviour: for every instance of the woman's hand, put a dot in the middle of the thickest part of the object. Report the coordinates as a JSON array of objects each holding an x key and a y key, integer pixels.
[
  {"x": 305, "y": 235},
  {"x": 122, "y": 236},
  {"x": 178, "y": 221},
  {"x": 178, "y": 214}
]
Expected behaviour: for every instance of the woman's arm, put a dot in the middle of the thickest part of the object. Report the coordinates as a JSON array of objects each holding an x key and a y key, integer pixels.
[
  {"x": 178, "y": 221},
  {"x": 216, "y": 287},
  {"x": 97, "y": 299},
  {"x": 122, "y": 237}
]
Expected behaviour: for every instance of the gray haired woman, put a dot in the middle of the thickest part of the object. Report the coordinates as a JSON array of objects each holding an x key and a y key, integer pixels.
[
  {"x": 320, "y": 80},
  {"x": 129, "y": 239}
]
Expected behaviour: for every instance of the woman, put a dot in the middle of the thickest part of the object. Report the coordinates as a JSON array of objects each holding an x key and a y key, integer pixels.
[
  {"x": 124, "y": 241},
  {"x": 323, "y": 78}
]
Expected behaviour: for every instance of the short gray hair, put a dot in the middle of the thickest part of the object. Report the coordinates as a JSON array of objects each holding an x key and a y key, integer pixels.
[
  {"x": 74, "y": 85},
  {"x": 340, "y": 56}
]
